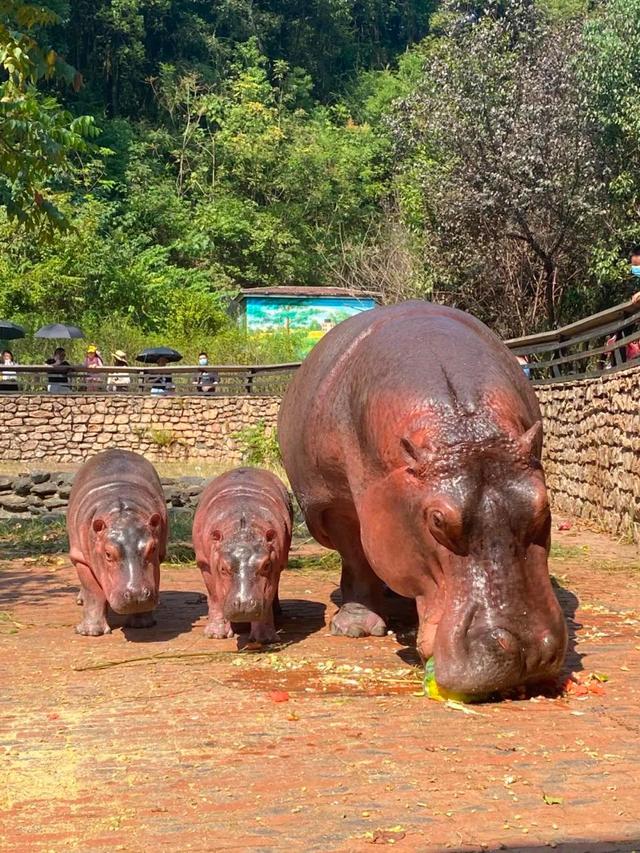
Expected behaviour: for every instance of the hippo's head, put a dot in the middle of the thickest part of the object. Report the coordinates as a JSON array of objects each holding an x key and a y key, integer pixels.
[
  {"x": 493, "y": 620},
  {"x": 126, "y": 559},
  {"x": 246, "y": 571}
]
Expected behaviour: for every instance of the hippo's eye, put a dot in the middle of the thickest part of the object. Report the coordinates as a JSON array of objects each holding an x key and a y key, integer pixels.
[{"x": 109, "y": 554}]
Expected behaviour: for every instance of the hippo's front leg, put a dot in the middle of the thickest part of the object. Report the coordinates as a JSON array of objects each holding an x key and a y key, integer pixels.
[
  {"x": 217, "y": 627},
  {"x": 94, "y": 614},
  {"x": 361, "y": 588},
  {"x": 264, "y": 631}
]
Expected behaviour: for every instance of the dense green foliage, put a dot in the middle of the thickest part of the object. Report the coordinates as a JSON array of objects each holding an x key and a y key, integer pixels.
[{"x": 483, "y": 154}]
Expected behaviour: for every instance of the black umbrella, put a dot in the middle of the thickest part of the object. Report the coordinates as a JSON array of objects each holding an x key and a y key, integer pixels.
[
  {"x": 153, "y": 354},
  {"x": 59, "y": 331},
  {"x": 10, "y": 331}
]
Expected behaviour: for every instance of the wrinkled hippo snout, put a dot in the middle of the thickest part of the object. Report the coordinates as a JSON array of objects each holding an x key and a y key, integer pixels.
[
  {"x": 497, "y": 659},
  {"x": 134, "y": 599}
]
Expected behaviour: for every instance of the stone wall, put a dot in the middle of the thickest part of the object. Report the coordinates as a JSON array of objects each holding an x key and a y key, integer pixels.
[
  {"x": 592, "y": 449},
  {"x": 67, "y": 429},
  {"x": 592, "y": 439},
  {"x": 46, "y": 493}
]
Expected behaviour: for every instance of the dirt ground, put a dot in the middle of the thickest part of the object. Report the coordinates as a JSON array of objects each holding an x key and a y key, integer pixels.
[{"x": 162, "y": 739}]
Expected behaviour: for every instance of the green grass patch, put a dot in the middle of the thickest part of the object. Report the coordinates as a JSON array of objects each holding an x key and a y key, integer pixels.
[
  {"x": 32, "y": 537},
  {"x": 568, "y": 552}
]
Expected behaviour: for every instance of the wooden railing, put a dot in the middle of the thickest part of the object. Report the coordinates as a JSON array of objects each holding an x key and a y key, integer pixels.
[
  {"x": 223, "y": 380},
  {"x": 598, "y": 344}
]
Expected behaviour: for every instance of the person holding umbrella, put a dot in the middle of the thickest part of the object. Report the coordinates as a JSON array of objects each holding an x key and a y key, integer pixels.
[
  {"x": 163, "y": 383},
  {"x": 58, "y": 382},
  {"x": 9, "y": 378}
]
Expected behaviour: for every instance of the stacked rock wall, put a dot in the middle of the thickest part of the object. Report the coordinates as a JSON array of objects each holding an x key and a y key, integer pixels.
[
  {"x": 592, "y": 449},
  {"x": 69, "y": 428},
  {"x": 592, "y": 441}
]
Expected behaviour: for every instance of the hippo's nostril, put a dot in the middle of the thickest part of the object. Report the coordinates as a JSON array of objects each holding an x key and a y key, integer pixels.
[{"x": 506, "y": 640}]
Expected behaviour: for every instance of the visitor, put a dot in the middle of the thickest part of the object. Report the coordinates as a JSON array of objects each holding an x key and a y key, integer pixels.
[
  {"x": 634, "y": 261},
  {"x": 523, "y": 361},
  {"x": 92, "y": 360},
  {"x": 162, "y": 384},
  {"x": 207, "y": 380},
  {"x": 8, "y": 378},
  {"x": 58, "y": 381},
  {"x": 119, "y": 381}
]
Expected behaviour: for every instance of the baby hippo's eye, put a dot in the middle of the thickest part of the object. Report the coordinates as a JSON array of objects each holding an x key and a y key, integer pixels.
[{"x": 110, "y": 554}]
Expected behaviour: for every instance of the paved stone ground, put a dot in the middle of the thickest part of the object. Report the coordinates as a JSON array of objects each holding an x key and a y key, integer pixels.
[{"x": 161, "y": 739}]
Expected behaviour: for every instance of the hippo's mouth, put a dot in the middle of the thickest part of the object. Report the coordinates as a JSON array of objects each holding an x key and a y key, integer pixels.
[{"x": 126, "y": 604}]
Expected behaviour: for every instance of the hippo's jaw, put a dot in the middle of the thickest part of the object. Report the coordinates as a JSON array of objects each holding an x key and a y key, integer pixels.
[{"x": 138, "y": 599}]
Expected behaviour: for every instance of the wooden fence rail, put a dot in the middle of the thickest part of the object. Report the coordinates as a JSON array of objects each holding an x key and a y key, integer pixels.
[{"x": 604, "y": 342}]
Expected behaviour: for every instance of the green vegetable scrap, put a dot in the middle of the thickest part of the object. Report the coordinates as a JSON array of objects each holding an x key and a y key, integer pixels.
[{"x": 433, "y": 690}]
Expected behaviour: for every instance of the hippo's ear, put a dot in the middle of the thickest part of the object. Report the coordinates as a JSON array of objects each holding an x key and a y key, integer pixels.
[
  {"x": 216, "y": 536},
  {"x": 410, "y": 449},
  {"x": 270, "y": 535},
  {"x": 98, "y": 525},
  {"x": 530, "y": 439},
  {"x": 155, "y": 520}
]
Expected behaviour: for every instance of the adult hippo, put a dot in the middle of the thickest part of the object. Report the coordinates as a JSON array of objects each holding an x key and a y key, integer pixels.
[
  {"x": 412, "y": 441},
  {"x": 117, "y": 525}
]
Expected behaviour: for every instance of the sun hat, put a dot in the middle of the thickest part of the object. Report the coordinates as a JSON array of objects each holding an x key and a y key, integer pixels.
[
  {"x": 120, "y": 355},
  {"x": 92, "y": 348}
]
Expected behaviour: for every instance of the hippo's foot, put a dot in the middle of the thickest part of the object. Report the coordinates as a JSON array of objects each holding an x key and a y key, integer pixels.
[
  {"x": 356, "y": 620},
  {"x": 218, "y": 629},
  {"x": 93, "y": 628},
  {"x": 140, "y": 620},
  {"x": 263, "y": 633}
]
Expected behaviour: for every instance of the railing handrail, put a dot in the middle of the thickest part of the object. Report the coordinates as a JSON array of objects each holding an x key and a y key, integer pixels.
[
  {"x": 622, "y": 311},
  {"x": 151, "y": 369}
]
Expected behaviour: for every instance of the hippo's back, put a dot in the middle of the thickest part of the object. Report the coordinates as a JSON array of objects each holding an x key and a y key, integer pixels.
[
  {"x": 110, "y": 478},
  {"x": 248, "y": 490},
  {"x": 372, "y": 375}
]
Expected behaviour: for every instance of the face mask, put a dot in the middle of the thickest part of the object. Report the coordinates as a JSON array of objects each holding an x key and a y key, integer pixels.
[
  {"x": 635, "y": 270},
  {"x": 204, "y": 361}
]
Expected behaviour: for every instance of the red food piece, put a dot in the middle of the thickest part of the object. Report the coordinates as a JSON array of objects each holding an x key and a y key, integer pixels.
[{"x": 278, "y": 695}]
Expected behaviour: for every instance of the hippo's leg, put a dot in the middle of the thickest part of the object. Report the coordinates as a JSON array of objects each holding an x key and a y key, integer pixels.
[
  {"x": 427, "y": 628},
  {"x": 94, "y": 614},
  {"x": 264, "y": 632},
  {"x": 217, "y": 627},
  {"x": 361, "y": 588},
  {"x": 141, "y": 620}
]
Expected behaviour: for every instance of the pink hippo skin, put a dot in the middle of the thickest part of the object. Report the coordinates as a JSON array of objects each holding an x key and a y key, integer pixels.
[
  {"x": 241, "y": 536},
  {"x": 117, "y": 525},
  {"x": 412, "y": 440}
]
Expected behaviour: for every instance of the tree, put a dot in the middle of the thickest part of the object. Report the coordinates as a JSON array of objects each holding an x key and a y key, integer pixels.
[
  {"x": 498, "y": 169},
  {"x": 37, "y": 136}
]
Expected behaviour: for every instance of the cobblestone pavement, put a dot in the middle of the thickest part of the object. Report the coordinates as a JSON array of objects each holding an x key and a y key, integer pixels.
[{"x": 162, "y": 739}]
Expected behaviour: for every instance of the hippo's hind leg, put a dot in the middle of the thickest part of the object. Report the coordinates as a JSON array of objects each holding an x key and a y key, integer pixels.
[
  {"x": 361, "y": 588},
  {"x": 94, "y": 614}
]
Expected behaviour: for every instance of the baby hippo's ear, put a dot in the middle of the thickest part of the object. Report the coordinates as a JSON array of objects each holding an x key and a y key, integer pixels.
[
  {"x": 155, "y": 520},
  {"x": 270, "y": 535},
  {"x": 216, "y": 536},
  {"x": 98, "y": 525}
]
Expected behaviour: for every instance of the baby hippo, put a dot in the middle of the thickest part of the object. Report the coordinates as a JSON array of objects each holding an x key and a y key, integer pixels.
[
  {"x": 117, "y": 525},
  {"x": 241, "y": 536}
]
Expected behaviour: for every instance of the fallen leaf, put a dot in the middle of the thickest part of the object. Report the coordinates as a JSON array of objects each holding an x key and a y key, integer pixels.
[
  {"x": 278, "y": 695},
  {"x": 552, "y": 801},
  {"x": 387, "y": 836}
]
